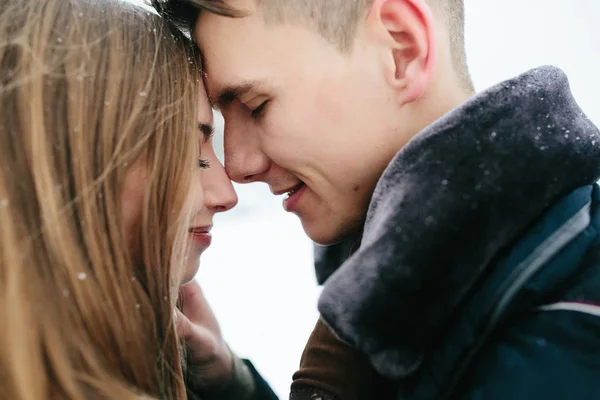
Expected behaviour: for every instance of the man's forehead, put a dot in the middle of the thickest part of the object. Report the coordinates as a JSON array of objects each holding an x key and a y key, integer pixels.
[
  {"x": 246, "y": 6},
  {"x": 232, "y": 53},
  {"x": 221, "y": 37},
  {"x": 244, "y": 10},
  {"x": 223, "y": 85}
]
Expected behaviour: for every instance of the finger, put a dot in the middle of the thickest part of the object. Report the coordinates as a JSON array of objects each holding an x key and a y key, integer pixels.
[
  {"x": 183, "y": 326},
  {"x": 195, "y": 306},
  {"x": 200, "y": 342},
  {"x": 191, "y": 293}
]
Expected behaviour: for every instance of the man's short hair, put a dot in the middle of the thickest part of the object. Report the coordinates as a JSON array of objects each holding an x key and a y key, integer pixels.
[{"x": 335, "y": 20}]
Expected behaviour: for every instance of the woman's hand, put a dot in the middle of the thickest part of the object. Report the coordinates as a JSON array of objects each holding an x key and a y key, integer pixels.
[{"x": 210, "y": 361}]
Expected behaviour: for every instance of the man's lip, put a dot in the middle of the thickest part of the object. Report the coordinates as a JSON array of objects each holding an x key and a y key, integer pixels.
[
  {"x": 296, "y": 187},
  {"x": 290, "y": 204}
]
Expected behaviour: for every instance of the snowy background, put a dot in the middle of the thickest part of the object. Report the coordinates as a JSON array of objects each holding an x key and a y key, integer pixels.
[{"x": 258, "y": 274}]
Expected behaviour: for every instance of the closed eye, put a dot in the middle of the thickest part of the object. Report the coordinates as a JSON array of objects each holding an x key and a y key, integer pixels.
[
  {"x": 259, "y": 111},
  {"x": 207, "y": 131},
  {"x": 203, "y": 164}
]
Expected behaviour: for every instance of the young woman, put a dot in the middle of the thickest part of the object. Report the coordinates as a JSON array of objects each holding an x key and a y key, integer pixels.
[{"x": 102, "y": 213}]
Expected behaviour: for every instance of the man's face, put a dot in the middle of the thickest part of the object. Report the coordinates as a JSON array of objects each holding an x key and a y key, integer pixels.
[{"x": 301, "y": 116}]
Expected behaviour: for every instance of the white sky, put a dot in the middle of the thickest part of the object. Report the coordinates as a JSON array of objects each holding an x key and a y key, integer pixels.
[{"x": 258, "y": 275}]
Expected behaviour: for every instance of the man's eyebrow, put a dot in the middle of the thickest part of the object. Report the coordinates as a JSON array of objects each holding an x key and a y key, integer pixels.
[
  {"x": 207, "y": 130},
  {"x": 231, "y": 93}
]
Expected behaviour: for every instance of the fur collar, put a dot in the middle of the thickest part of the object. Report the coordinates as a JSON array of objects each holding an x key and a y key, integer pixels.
[{"x": 450, "y": 200}]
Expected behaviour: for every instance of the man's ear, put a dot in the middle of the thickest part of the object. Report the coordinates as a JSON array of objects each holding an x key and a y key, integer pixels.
[{"x": 406, "y": 30}]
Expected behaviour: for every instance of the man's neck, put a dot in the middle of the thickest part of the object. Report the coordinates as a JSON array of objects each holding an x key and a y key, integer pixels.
[{"x": 440, "y": 99}]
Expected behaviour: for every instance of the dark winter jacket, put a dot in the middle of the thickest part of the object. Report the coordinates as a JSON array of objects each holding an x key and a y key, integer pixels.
[
  {"x": 245, "y": 384},
  {"x": 478, "y": 273}
]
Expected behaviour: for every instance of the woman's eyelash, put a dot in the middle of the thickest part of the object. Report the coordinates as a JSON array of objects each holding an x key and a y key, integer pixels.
[
  {"x": 207, "y": 131},
  {"x": 259, "y": 111},
  {"x": 203, "y": 164}
]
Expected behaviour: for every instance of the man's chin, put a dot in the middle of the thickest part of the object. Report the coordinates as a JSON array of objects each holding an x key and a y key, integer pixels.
[{"x": 328, "y": 235}]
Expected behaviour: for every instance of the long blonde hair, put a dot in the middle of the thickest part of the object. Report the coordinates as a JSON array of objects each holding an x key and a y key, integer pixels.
[{"x": 89, "y": 88}]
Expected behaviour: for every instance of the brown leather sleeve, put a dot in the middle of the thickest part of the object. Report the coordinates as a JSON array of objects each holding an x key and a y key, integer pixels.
[{"x": 335, "y": 370}]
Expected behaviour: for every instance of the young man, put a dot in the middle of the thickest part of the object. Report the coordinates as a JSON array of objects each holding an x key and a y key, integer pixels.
[{"x": 478, "y": 273}]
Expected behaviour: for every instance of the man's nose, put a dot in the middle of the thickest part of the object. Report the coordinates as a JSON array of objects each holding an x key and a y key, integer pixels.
[{"x": 245, "y": 162}]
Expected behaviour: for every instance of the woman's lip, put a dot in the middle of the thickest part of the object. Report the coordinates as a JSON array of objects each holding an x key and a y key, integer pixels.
[
  {"x": 201, "y": 235},
  {"x": 203, "y": 240},
  {"x": 200, "y": 229}
]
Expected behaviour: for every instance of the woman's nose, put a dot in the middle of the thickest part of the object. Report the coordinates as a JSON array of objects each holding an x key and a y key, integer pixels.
[{"x": 219, "y": 195}]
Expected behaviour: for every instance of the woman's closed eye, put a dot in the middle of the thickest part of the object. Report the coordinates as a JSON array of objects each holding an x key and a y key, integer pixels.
[
  {"x": 206, "y": 133},
  {"x": 203, "y": 164}
]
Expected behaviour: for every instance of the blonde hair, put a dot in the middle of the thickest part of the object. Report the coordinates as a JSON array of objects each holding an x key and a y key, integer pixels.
[{"x": 89, "y": 88}]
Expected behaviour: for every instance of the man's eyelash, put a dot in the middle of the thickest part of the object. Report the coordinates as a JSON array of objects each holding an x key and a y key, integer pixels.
[
  {"x": 259, "y": 111},
  {"x": 203, "y": 164}
]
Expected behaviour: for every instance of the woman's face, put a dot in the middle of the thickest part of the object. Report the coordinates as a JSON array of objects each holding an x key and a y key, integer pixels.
[
  {"x": 211, "y": 193},
  {"x": 213, "y": 185}
]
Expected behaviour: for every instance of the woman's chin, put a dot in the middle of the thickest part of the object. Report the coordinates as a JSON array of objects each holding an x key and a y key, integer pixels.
[{"x": 191, "y": 269}]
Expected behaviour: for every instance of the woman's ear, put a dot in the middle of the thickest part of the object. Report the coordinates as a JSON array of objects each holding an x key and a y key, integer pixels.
[{"x": 407, "y": 30}]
